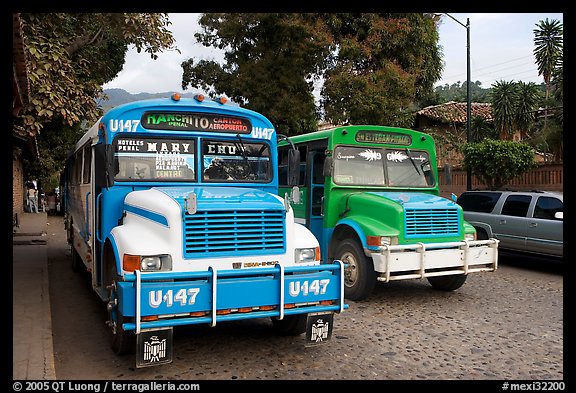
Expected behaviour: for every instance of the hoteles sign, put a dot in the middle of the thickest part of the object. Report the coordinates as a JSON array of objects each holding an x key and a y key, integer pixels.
[{"x": 193, "y": 121}]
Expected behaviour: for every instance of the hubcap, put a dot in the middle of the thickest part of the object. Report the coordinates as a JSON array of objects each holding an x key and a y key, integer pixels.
[{"x": 351, "y": 272}]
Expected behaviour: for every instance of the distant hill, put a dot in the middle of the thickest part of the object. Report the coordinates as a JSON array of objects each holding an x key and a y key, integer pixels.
[{"x": 121, "y": 96}]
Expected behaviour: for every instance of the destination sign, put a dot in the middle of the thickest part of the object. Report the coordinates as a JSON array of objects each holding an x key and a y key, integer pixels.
[
  {"x": 392, "y": 138},
  {"x": 193, "y": 121}
]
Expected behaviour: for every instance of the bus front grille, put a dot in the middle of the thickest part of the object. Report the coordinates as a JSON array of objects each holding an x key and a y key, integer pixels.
[
  {"x": 431, "y": 222},
  {"x": 234, "y": 232}
]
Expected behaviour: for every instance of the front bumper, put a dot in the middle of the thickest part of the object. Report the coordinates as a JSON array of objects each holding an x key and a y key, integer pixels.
[
  {"x": 419, "y": 260},
  {"x": 174, "y": 299}
]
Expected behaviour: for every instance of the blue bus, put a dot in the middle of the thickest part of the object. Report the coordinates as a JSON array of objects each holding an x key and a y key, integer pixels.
[{"x": 172, "y": 207}]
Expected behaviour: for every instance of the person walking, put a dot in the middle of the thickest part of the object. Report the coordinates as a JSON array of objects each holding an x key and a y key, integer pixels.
[{"x": 32, "y": 196}]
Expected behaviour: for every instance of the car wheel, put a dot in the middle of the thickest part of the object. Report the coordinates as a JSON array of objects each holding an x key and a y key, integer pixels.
[
  {"x": 447, "y": 283},
  {"x": 291, "y": 325},
  {"x": 481, "y": 234},
  {"x": 359, "y": 275},
  {"x": 121, "y": 341}
]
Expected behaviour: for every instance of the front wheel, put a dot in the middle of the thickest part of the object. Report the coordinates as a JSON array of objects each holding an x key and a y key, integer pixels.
[
  {"x": 77, "y": 264},
  {"x": 447, "y": 283},
  {"x": 359, "y": 275},
  {"x": 121, "y": 341},
  {"x": 291, "y": 325}
]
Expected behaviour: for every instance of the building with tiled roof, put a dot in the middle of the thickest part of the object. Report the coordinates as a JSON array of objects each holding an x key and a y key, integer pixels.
[
  {"x": 447, "y": 124},
  {"x": 454, "y": 112}
]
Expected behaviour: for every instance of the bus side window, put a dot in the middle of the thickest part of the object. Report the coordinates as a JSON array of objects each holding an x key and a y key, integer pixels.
[
  {"x": 283, "y": 166},
  {"x": 318, "y": 169},
  {"x": 87, "y": 164}
]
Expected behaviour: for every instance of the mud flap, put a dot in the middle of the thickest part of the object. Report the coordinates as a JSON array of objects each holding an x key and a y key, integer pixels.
[
  {"x": 319, "y": 328},
  {"x": 154, "y": 347}
]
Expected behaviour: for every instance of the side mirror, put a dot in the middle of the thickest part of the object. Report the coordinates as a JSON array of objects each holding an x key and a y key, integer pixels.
[
  {"x": 112, "y": 165},
  {"x": 327, "y": 169},
  {"x": 293, "y": 167},
  {"x": 104, "y": 158}
]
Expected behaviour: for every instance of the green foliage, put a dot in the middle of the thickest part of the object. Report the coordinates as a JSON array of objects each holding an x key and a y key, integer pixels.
[
  {"x": 549, "y": 48},
  {"x": 459, "y": 92},
  {"x": 373, "y": 65},
  {"x": 382, "y": 63},
  {"x": 70, "y": 56},
  {"x": 496, "y": 162},
  {"x": 54, "y": 144},
  {"x": 271, "y": 61},
  {"x": 514, "y": 107}
]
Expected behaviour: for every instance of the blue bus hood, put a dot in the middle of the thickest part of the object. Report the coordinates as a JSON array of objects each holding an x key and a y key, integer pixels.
[
  {"x": 417, "y": 200},
  {"x": 225, "y": 198}
]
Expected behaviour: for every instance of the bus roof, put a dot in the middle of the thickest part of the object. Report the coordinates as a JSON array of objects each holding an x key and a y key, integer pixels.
[
  {"x": 328, "y": 133},
  {"x": 207, "y": 105}
]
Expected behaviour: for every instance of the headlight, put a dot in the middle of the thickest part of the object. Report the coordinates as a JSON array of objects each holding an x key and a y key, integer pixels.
[
  {"x": 147, "y": 263},
  {"x": 385, "y": 240},
  {"x": 156, "y": 263},
  {"x": 470, "y": 236},
  {"x": 304, "y": 255},
  {"x": 378, "y": 241}
]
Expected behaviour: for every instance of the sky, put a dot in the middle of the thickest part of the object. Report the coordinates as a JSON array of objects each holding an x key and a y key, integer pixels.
[{"x": 501, "y": 48}]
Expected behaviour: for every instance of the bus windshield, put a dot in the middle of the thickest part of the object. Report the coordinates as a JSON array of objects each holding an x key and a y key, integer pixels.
[
  {"x": 373, "y": 166},
  {"x": 174, "y": 159},
  {"x": 234, "y": 161}
]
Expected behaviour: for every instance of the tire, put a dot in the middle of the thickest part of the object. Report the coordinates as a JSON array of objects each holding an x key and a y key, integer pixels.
[
  {"x": 359, "y": 275},
  {"x": 447, "y": 283},
  {"x": 77, "y": 264},
  {"x": 291, "y": 325},
  {"x": 121, "y": 341},
  {"x": 481, "y": 234}
]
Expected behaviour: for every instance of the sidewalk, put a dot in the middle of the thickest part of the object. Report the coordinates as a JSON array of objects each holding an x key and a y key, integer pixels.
[{"x": 32, "y": 349}]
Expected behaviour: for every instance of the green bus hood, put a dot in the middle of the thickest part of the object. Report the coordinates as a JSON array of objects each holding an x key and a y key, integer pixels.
[{"x": 413, "y": 215}]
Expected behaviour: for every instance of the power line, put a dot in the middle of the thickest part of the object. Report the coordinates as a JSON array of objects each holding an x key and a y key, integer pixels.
[{"x": 491, "y": 66}]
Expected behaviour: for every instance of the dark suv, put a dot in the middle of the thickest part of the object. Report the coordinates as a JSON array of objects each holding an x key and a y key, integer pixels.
[{"x": 524, "y": 221}]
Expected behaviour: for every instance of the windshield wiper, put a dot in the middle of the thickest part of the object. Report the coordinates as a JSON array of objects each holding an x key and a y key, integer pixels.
[
  {"x": 242, "y": 148},
  {"x": 412, "y": 161}
]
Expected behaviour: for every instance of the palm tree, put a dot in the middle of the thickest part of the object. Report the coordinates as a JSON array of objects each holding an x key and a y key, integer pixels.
[
  {"x": 504, "y": 97},
  {"x": 549, "y": 41},
  {"x": 548, "y": 38},
  {"x": 527, "y": 106}
]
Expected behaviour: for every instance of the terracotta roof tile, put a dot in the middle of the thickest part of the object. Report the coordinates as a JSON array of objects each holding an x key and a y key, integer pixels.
[{"x": 455, "y": 112}]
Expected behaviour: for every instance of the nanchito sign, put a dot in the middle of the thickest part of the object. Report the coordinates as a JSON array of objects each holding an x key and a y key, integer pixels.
[
  {"x": 367, "y": 136},
  {"x": 194, "y": 121}
]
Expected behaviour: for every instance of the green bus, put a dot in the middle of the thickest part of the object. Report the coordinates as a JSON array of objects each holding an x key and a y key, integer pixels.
[{"x": 370, "y": 195}]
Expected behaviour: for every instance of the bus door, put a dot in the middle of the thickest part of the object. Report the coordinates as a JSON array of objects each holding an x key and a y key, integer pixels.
[{"x": 315, "y": 204}]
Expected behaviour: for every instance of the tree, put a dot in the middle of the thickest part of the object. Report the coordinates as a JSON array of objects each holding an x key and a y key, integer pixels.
[
  {"x": 504, "y": 100},
  {"x": 497, "y": 162},
  {"x": 548, "y": 39},
  {"x": 529, "y": 99},
  {"x": 373, "y": 65},
  {"x": 382, "y": 64},
  {"x": 270, "y": 63},
  {"x": 457, "y": 92},
  {"x": 70, "y": 56},
  {"x": 54, "y": 143},
  {"x": 514, "y": 107}
]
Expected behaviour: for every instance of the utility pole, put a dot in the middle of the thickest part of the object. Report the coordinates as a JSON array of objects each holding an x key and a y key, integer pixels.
[{"x": 468, "y": 94}]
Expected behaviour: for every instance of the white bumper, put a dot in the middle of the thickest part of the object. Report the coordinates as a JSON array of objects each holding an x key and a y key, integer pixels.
[{"x": 421, "y": 260}]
